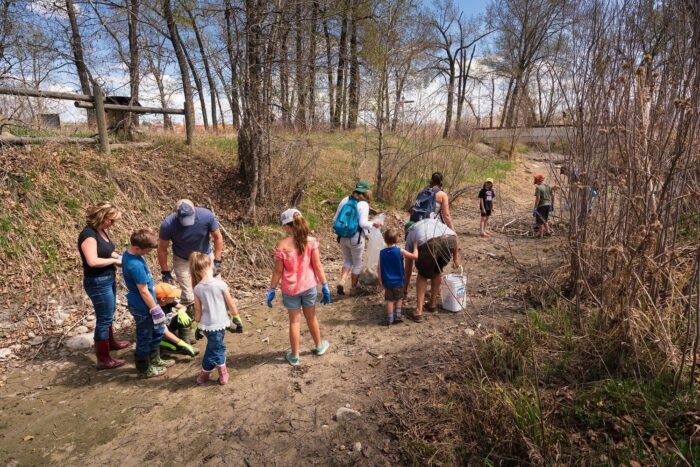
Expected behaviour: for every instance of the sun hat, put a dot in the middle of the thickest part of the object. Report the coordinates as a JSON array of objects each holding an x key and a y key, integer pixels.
[
  {"x": 539, "y": 178},
  {"x": 489, "y": 180},
  {"x": 185, "y": 212},
  {"x": 362, "y": 186},
  {"x": 287, "y": 217},
  {"x": 165, "y": 290}
]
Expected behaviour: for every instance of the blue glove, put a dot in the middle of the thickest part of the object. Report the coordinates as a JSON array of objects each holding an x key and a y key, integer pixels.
[
  {"x": 534, "y": 212},
  {"x": 326, "y": 294},
  {"x": 167, "y": 277},
  {"x": 270, "y": 296},
  {"x": 157, "y": 315},
  {"x": 217, "y": 267}
]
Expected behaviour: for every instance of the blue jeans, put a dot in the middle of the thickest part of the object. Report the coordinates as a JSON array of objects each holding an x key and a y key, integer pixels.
[
  {"x": 102, "y": 291},
  {"x": 215, "y": 353},
  {"x": 147, "y": 337}
]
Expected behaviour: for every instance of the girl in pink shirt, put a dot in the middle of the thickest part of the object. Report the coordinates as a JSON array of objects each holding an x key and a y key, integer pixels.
[{"x": 298, "y": 265}]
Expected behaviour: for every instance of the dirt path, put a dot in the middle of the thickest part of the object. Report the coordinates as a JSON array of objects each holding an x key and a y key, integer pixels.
[{"x": 270, "y": 414}]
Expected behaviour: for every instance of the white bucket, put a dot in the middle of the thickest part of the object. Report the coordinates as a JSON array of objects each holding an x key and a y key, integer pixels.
[{"x": 454, "y": 292}]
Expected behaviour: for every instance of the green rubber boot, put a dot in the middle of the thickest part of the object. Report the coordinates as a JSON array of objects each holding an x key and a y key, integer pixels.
[
  {"x": 146, "y": 370},
  {"x": 157, "y": 361}
]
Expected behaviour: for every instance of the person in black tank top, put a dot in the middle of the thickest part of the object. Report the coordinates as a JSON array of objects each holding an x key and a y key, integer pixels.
[{"x": 99, "y": 278}]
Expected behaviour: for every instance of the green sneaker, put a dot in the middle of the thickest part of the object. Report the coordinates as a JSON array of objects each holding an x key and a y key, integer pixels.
[
  {"x": 294, "y": 361},
  {"x": 157, "y": 361},
  {"x": 321, "y": 349}
]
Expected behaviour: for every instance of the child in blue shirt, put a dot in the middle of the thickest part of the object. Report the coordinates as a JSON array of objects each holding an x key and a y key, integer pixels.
[
  {"x": 391, "y": 274},
  {"x": 143, "y": 306}
]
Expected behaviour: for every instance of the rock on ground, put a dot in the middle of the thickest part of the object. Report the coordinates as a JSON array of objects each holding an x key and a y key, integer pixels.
[{"x": 79, "y": 342}]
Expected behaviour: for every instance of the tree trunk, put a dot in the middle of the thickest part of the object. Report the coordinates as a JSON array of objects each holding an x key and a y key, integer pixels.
[
  {"x": 462, "y": 85},
  {"x": 232, "y": 56},
  {"x": 198, "y": 85},
  {"x": 182, "y": 64},
  {"x": 353, "y": 88},
  {"x": 284, "y": 79},
  {"x": 207, "y": 69},
  {"x": 450, "y": 99},
  {"x": 340, "y": 74},
  {"x": 134, "y": 69},
  {"x": 76, "y": 46},
  {"x": 329, "y": 71},
  {"x": 398, "y": 104},
  {"x": 506, "y": 102},
  {"x": 311, "y": 78},
  {"x": 300, "y": 64}
]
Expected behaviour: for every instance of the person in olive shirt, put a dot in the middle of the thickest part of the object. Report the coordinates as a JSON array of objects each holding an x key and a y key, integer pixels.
[
  {"x": 99, "y": 279},
  {"x": 544, "y": 205}
]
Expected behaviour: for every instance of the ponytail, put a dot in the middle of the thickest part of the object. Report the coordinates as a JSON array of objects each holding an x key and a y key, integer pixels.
[{"x": 300, "y": 232}]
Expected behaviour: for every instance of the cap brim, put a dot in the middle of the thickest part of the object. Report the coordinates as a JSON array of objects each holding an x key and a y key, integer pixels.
[{"x": 187, "y": 220}]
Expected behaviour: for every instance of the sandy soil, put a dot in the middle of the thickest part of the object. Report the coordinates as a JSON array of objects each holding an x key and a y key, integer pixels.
[{"x": 270, "y": 413}]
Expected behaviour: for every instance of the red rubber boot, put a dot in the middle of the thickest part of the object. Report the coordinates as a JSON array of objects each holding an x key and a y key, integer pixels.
[
  {"x": 104, "y": 360},
  {"x": 116, "y": 345}
]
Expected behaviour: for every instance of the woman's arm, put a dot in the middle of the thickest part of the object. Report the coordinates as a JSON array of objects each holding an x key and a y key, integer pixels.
[
  {"x": 318, "y": 267},
  {"x": 363, "y": 211},
  {"x": 277, "y": 273},
  {"x": 230, "y": 303},
  {"x": 445, "y": 209},
  {"x": 197, "y": 309},
  {"x": 146, "y": 295},
  {"x": 455, "y": 253},
  {"x": 408, "y": 270},
  {"x": 89, "y": 249}
]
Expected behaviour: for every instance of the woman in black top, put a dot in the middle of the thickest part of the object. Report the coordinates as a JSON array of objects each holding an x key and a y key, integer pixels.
[{"x": 99, "y": 278}]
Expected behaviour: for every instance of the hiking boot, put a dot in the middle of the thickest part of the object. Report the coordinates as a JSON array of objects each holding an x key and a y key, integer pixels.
[
  {"x": 114, "y": 344},
  {"x": 104, "y": 359},
  {"x": 155, "y": 359},
  {"x": 203, "y": 377},
  {"x": 146, "y": 370},
  {"x": 223, "y": 374}
]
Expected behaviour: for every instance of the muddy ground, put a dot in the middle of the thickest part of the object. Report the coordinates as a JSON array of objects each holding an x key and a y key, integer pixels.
[{"x": 64, "y": 412}]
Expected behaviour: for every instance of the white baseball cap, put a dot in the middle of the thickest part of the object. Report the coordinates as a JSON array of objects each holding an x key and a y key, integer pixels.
[{"x": 287, "y": 216}]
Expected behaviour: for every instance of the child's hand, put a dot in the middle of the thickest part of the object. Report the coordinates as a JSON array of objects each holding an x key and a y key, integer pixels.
[
  {"x": 236, "y": 325},
  {"x": 326, "y": 300}
]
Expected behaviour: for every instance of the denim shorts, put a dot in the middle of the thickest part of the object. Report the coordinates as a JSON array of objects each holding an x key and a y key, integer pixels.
[{"x": 304, "y": 299}]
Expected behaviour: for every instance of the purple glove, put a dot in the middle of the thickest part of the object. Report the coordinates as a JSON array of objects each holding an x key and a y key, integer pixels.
[{"x": 157, "y": 315}]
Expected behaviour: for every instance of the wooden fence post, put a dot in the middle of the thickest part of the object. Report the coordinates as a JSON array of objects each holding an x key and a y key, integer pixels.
[
  {"x": 189, "y": 125},
  {"x": 101, "y": 118}
]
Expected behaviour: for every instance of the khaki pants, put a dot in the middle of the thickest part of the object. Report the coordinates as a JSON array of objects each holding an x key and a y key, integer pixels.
[{"x": 181, "y": 268}]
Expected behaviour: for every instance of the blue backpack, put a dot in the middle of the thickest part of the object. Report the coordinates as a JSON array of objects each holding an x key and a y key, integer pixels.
[
  {"x": 348, "y": 222},
  {"x": 425, "y": 204}
]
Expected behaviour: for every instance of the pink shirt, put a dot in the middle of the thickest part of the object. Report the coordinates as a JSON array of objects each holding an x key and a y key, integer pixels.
[{"x": 298, "y": 275}]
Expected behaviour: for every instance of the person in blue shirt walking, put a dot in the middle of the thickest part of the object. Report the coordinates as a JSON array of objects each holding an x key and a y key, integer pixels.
[{"x": 390, "y": 272}]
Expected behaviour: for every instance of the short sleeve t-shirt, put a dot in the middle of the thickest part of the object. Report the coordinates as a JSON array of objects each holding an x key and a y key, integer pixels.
[
  {"x": 195, "y": 237},
  {"x": 298, "y": 275},
  {"x": 105, "y": 248},
  {"x": 391, "y": 265},
  {"x": 488, "y": 196},
  {"x": 135, "y": 271},
  {"x": 544, "y": 191},
  {"x": 214, "y": 310},
  {"x": 426, "y": 230}
]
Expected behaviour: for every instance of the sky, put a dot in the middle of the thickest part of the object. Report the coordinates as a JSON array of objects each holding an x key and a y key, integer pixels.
[{"x": 148, "y": 96}]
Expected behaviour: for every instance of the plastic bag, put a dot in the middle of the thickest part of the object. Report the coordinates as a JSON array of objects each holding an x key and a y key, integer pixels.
[{"x": 375, "y": 244}]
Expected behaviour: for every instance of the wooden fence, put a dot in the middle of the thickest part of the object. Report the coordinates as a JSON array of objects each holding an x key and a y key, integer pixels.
[{"x": 96, "y": 102}]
